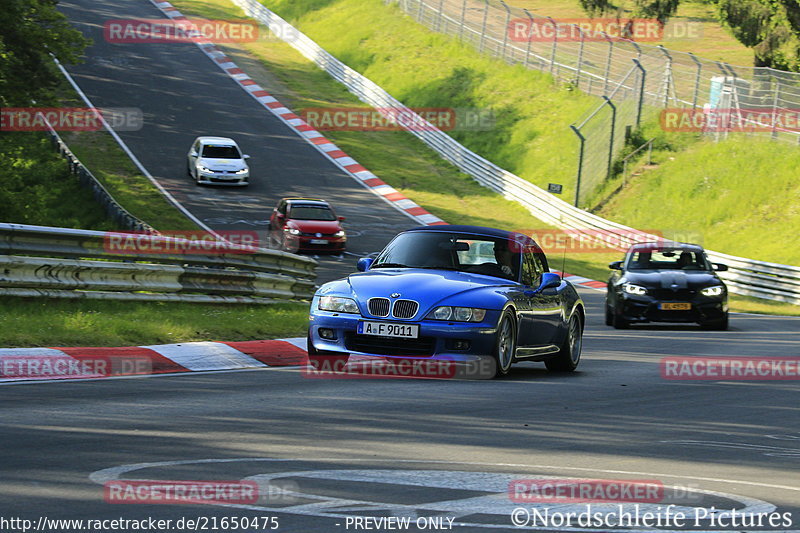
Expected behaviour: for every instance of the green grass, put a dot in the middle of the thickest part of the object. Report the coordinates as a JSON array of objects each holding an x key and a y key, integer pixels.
[
  {"x": 400, "y": 159},
  {"x": 37, "y": 188},
  {"x": 37, "y": 322},
  {"x": 741, "y": 196}
]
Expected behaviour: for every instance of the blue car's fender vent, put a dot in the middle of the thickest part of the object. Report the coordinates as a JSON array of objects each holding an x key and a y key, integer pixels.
[{"x": 378, "y": 306}]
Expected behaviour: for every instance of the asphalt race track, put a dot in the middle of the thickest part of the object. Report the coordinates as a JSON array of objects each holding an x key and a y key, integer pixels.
[
  {"x": 182, "y": 95},
  {"x": 322, "y": 450},
  {"x": 329, "y": 455}
]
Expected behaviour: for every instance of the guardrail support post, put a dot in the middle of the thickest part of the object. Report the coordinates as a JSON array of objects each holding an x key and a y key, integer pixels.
[
  {"x": 507, "y": 29},
  {"x": 530, "y": 39},
  {"x": 611, "y": 136},
  {"x": 580, "y": 163},
  {"x": 555, "y": 44},
  {"x": 463, "y": 20},
  {"x": 483, "y": 26},
  {"x": 696, "y": 79},
  {"x": 441, "y": 15},
  {"x": 643, "y": 74}
]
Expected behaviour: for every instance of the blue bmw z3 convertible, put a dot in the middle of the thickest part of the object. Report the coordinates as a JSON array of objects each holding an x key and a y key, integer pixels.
[{"x": 451, "y": 293}]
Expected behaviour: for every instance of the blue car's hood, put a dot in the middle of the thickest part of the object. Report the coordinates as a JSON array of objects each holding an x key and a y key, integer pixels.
[{"x": 428, "y": 287}]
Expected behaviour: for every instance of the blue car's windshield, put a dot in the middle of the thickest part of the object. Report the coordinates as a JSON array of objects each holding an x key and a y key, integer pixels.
[{"x": 450, "y": 251}]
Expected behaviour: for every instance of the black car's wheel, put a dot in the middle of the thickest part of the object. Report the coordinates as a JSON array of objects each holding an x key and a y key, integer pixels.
[
  {"x": 570, "y": 354},
  {"x": 505, "y": 344},
  {"x": 609, "y": 316},
  {"x": 325, "y": 360},
  {"x": 717, "y": 325}
]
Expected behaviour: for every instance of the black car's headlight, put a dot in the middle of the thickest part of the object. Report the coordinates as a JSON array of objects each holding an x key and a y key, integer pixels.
[
  {"x": 337, "y": 304},
  {"x": 630, "y": 288},
  {"x": 716, "y": 290},
  {"x": 457, "y": 314}
]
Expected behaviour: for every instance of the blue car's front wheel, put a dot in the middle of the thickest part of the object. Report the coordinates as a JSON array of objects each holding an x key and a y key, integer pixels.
[{"x": 505, "y": 344}]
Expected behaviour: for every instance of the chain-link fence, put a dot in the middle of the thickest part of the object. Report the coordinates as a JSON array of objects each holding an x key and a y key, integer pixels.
[{"x": 630, "y": 76}]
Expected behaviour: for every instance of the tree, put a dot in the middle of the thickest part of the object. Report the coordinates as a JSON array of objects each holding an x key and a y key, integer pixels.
[
  {"x": 770, "y": 27},
  {"x": 594, "y": 8},
  {"x": 660, "y": 10},
  {"x": 31, "y": 30}
]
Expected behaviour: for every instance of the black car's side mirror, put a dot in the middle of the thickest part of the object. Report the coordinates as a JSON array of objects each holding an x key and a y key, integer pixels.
[
  {"x": 364, "y": 263},
  {"x": 719, "y": 267},
  {"x": 615, "y": 265}
]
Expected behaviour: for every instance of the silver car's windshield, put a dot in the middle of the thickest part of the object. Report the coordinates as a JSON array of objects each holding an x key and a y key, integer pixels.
[{"x": 450, "y": 251}]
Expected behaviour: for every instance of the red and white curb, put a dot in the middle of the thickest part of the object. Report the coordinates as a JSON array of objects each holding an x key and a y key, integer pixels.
[
  {"x": 583, "y": 282},
  {"x": 45, "y": 364},
  {"x": 325, "y": 146}
]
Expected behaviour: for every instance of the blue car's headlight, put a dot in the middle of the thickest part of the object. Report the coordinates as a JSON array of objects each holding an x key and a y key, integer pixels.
[
  {"x": 457, "y": 314},
  {"x": 338, "y": 304},
  {"x": 630, "y": 288},
  {"x": 716, "y": 290}
]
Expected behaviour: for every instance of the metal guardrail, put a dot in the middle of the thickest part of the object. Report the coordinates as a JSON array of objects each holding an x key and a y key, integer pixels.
[
  {"x": 761, "y": 279},
  {"x": 69, "y": 263}
]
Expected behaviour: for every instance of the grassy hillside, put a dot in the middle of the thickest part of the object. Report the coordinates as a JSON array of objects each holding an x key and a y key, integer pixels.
[
  {"x": 713, "y": 40},
  {"x": 531, "y": 135},
  {"x": 742, "y": 195}
]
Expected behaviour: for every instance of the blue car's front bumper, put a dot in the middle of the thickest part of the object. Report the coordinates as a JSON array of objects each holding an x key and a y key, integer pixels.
[{"x": 452, "y": 341}]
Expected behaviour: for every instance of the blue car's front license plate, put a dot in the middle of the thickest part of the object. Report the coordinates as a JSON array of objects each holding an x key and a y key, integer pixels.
[{"x": 388, "y": 329}]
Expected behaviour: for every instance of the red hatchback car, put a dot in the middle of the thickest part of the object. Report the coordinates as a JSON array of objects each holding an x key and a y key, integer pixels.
[{"x": 307, "y": 225}]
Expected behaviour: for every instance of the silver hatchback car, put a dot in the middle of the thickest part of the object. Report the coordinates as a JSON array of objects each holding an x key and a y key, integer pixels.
[{"x": 218, "y": 161}]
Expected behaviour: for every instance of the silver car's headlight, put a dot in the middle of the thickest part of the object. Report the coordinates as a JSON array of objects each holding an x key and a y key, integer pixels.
[
  {"x": 243, "y": 171},
  {"x": 630, "y": 288},
  {"x": 716, "y": 290},
  {"x": 205, "y": 169},
  {"x": 338, "y": 304},
  {"x": 457, "y": 314}
]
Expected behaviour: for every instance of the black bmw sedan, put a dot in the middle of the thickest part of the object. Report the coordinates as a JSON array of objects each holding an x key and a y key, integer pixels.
[{"x": 666, "y": 282}]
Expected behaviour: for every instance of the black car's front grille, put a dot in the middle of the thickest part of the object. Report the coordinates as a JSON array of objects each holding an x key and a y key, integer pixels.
[
  {"x": 378, "y": 306},
  {"x": 421, "y": 347},
  {"x": 405, "y": 309},
  {"x": 683, "y": 295}
]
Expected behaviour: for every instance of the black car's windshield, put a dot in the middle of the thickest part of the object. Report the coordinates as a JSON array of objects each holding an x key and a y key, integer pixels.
[
  {"x": 305, "y": 212},
  {"x": 221, "y": 152},
  {"x": 673, "y": 259},
  {"x": 449, "y": 251}
]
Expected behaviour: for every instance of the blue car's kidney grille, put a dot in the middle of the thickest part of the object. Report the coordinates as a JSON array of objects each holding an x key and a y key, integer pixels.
[
  {"x": 405, "y": 309},
  {"x": 378, "y": 306}
]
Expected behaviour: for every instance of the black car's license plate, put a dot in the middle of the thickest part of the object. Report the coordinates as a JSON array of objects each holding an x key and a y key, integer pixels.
[
  {"x": 675, "y": 306},
  {"x": 388, "y": 329}
]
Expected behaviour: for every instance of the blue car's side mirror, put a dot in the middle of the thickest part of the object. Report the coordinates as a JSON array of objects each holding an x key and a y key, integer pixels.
[
  {"x": 549, "y": 281},
  {"x": 364, "y": 263}
]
